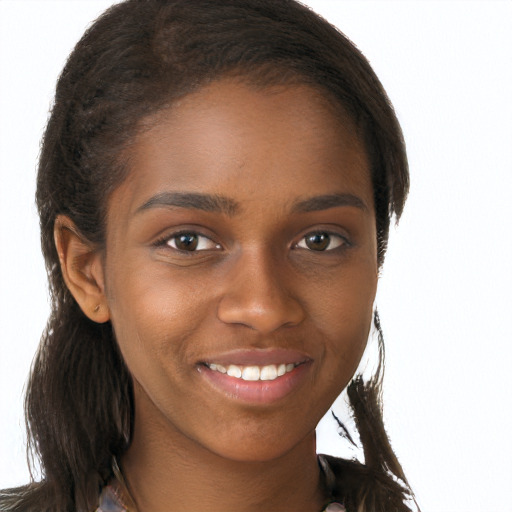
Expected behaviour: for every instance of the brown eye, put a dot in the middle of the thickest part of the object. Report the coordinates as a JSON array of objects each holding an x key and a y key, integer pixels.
[
  {"x": 320, "y": 241},
  {"x": 191, "y": 242},
  {"x": 186, "y": 242}
]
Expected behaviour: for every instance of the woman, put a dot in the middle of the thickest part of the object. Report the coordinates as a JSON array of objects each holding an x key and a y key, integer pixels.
[{"x": 215, "y": 190}]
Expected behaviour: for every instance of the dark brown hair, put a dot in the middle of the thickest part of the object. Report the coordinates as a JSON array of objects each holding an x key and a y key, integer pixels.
[{"x": 137, "y": 58}]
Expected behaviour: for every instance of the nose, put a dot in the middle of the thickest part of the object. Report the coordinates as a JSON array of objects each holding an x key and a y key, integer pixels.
[{"x": 256, "y": 295}]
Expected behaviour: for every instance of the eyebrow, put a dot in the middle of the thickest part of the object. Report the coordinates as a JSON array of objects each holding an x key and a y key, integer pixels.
[
  {"x": 327, "y": 201},
  {"x": 221, "y": 204},
  {"x": 192, "y": 200}
]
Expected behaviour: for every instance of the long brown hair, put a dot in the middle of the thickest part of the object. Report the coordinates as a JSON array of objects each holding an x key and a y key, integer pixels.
[{"x": 137, "y": 58}]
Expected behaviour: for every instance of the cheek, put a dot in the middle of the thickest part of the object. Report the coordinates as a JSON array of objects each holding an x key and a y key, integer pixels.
[
  {"x": 345, "y": 320},
  {"x": 152, "y": 317}
]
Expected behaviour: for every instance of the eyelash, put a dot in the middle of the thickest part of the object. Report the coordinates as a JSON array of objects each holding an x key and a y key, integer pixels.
[
  {"x": 166, "y": 241},
  {"x": 342, "y": 241}
]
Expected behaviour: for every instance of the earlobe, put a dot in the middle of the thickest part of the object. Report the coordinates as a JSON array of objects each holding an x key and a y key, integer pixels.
[{"x": 82, "y": 269}]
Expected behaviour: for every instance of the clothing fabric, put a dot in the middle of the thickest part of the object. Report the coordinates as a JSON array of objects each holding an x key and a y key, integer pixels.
[
  {"x": 111, "y": 502},
  {"x": 110, "y": 498}
]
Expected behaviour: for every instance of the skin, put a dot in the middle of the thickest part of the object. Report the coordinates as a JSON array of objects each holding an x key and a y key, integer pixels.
[{"x": 252, "y": 283}]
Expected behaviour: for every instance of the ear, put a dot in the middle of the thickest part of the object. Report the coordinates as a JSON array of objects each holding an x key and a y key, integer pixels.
[{"x": 82, "y": 268}]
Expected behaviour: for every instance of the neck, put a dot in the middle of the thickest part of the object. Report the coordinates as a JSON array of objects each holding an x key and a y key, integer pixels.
[{"x": 166, "y": 471}]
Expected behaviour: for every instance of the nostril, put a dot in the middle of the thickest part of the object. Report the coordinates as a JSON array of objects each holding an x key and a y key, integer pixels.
[
  {"x": 264, "y": 314},
  {"x": 257, "y": 293}
]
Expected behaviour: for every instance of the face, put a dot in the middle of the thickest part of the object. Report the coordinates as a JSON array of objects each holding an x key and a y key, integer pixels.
[{"x": 240, "y": 267}]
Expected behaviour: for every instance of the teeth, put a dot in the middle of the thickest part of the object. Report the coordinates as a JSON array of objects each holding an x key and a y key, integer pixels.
[
  {"x": 218, "y": 368},
  {"x": 253, "y": 373},
  {"x": 268, "y": 372},
  {"x": 234, "y": 371}
]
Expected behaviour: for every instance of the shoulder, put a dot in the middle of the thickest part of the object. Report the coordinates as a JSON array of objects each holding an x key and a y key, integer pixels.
[
  {"x": 347, "y": 475},
  {"x": 33, "y": 497},
  {"x": 360, "y": 487},
  {"x": 110, "y": 500}
]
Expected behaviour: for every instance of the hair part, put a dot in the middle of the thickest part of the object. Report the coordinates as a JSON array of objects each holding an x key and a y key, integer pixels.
[{"x": 138, "y": 58}]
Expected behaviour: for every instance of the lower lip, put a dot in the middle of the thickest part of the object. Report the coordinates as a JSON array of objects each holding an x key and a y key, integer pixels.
[{"x": 259, "y": 391}]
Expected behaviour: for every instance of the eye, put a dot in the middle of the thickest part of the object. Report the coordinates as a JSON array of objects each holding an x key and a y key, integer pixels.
[
  {"x": 321, "y": 241},
  {"x": 191, "y": 242}
]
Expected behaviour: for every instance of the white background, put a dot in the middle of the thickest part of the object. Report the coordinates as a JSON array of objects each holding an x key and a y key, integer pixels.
[{"x": 445, "y": 295}]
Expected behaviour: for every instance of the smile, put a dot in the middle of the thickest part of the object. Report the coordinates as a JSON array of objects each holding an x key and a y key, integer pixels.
[
  {"x": 256, "y": 377},
  {"x": 254, "y": 373}
]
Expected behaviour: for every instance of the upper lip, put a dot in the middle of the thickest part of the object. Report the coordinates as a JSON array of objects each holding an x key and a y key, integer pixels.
[{"x": 258, "y": 357}]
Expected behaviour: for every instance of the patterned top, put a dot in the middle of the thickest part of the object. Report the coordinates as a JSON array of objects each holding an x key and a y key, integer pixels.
[
  {"x": 110, "y": 501},
  {"x": 110, "y": 498}
]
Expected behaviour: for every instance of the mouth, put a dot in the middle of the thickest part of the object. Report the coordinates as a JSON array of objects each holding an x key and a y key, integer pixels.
[
  {"x": 257, "y": 376},
  {"x": 254, "y": 373}
]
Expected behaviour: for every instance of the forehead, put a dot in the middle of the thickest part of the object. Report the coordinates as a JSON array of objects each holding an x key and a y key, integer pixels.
[{"x": 266, "y": 144}]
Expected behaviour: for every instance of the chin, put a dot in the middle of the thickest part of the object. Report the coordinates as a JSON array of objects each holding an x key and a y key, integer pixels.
[{"x": 261, "y": 448}]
